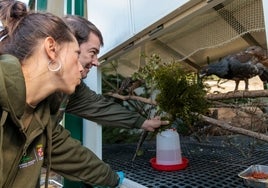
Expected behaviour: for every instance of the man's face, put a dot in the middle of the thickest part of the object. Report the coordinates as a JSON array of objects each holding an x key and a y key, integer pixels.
[{"x": 89, "y": 53}]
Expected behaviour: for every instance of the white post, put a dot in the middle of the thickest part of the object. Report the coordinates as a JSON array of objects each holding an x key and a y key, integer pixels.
[
  {"x": 65, "y": 7},
  {"x": 73, "y": 7},
  {"x": 92, "y": 132},
  {"x": 265, "y": 11},
  {"x": 265, "y": 15}
]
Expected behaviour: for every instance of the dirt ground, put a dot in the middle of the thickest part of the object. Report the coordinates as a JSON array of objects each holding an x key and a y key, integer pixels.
[
  {"x": 250, "y": 120},
  {"x": 254, "y": 84}
]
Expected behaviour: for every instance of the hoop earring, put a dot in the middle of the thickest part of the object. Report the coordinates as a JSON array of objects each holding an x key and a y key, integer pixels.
[{"x": 53, "y": 69}]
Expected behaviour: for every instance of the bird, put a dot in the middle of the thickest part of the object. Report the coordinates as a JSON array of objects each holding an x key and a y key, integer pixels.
[
  {"x": 259, "y": 54},
  {"x": 124, "y": 85},
  {"x": 237, "y": 67},
  {"x": 129, "y": 85},
  {"x": 260, "y": 58}
]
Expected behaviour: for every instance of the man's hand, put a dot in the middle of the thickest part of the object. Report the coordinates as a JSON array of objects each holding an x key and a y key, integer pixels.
[{"x": 152, "y": 124}]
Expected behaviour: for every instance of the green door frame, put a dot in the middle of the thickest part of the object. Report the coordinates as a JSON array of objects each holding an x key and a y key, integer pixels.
[
  {"x": 78, "y": 7},
  {"x": 41, "y": 5}
]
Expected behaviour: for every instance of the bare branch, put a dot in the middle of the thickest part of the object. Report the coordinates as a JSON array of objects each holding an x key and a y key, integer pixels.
[
  {"x": 238, "y": 94},
  {"x": 219, "y": 96},
  {"x": 132, "y": 97},
  {"x": 234, "y": 129}
]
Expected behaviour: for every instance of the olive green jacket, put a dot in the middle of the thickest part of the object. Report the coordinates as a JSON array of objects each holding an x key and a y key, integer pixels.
[
  {"x": 44, "y": 143},
  {"x": 95, "y": 107}
]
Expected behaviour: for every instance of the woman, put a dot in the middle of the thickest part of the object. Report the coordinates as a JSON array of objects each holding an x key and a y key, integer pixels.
[{"x": 39, "y": 56}]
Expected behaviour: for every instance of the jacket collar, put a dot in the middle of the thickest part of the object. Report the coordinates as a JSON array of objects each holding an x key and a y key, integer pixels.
[{"x": 12, "y": 86}]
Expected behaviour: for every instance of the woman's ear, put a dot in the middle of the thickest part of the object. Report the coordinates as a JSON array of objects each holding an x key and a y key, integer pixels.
[{"x": 50, "y": 47}]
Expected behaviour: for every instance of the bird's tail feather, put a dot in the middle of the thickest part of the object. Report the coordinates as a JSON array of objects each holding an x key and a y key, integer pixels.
[{"x": 264, "y": 76}]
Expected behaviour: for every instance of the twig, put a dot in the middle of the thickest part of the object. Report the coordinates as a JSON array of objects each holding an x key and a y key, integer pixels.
[
  {"x": 141, "y": 140},
  {"x": 131, "y": 97}
]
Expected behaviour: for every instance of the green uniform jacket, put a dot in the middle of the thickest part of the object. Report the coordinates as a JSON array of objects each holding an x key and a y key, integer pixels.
[
  {"x": 44, "y": 143},
  {"x": 89, "y": 105}
]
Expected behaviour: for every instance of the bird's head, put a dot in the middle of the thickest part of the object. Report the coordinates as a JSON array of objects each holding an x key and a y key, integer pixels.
[
  {"x": 204, "y": 71},
  {"x": 255, "y": 51}
]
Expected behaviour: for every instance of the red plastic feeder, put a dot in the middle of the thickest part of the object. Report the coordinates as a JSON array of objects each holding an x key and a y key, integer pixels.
[{"x": 175, "y": 167}]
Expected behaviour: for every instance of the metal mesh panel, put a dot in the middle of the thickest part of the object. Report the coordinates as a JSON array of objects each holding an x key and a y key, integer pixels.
[
  {"x": 217, "y": 28},
  {"x": 212, "y": 164},
  {"x": 213, "y": 33}
]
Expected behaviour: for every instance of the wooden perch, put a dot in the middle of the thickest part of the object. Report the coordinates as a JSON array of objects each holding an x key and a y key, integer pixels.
[
  {"x": 219, "y": 96},
  {"x": 131, "y": 97},
  {"x": 238, "y": 94},
  {"x": 235, "y": 129}
]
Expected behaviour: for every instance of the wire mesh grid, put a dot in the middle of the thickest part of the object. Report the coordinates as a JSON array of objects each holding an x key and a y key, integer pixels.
[
  {"x": 211, "y": 34},
  {"x": 215, "y": 29},
  {"x": 212, "y": 164}
]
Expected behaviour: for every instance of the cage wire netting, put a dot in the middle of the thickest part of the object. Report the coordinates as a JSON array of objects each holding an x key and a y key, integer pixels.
[
  {"x": 217, "y": 28},
  {"x": 213, "y": 33}
]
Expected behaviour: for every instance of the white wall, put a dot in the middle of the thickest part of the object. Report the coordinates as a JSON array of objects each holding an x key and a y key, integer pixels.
[
  {"x": 120, "y": 20},
  {"x": 92, "y": 132}
]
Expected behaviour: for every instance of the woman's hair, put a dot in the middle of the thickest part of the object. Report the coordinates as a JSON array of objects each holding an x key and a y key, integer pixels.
[
  {"x": 81, "y": 28},
  {"x": 23, "y": 29}
]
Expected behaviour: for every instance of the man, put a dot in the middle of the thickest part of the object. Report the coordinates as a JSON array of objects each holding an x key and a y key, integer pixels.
[{"x": 85, "y": 102}]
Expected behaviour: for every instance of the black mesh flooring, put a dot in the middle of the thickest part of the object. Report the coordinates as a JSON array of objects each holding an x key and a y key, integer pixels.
[{"x": 214, "y": 163}]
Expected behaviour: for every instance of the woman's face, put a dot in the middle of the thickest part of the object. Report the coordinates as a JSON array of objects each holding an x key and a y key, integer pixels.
[{"x": 71, "y": 67}]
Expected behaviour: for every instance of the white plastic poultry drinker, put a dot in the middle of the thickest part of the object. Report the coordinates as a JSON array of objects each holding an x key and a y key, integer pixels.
[
  {"x": 168, "y": 149},
  {"x": 168, "y": 152}
]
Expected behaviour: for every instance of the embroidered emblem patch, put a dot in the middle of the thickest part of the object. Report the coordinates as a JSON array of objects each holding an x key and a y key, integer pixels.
[
  {"x": 26, "y": 161},
  {"x": 40, "y": 152}
]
